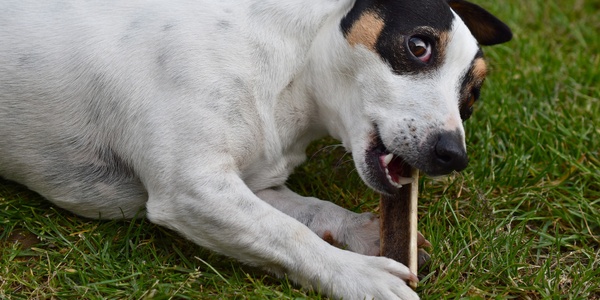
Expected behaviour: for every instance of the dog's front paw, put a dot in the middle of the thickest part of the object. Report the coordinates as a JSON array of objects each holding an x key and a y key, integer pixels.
[
  {"x": 367, "y": 277},
  {"x": 361, "y": 235}
]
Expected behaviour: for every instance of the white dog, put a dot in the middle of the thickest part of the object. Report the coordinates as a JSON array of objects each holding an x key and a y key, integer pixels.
[{"x": 196, "y": 112}]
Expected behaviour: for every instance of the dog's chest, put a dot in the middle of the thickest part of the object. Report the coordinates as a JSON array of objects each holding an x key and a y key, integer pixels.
[
  {"x": 272, "y": 166},
  {"x": 289, "y": 126}
]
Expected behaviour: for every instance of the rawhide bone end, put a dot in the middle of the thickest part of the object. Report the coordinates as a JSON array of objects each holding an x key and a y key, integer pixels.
[{"x": 398, "y": 224}]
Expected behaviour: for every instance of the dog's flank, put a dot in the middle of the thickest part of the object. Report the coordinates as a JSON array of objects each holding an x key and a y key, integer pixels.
[{"x": 196, "y": 112}]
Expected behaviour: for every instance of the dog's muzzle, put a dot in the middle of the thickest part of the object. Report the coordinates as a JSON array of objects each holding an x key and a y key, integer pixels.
[{"x": 440, "y": 154}]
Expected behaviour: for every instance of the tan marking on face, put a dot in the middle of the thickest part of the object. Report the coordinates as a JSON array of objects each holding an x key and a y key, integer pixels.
[
  {"x": 366, "y": 30},
  {"x": 479, "y": 69},
  {"x": 442, "y": 44}
]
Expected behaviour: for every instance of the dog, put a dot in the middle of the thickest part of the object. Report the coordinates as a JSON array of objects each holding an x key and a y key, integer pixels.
[{"x": 194, "y": 114}]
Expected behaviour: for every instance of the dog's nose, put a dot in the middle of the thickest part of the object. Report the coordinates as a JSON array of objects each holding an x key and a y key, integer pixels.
[{"x": 449, "y": 152}]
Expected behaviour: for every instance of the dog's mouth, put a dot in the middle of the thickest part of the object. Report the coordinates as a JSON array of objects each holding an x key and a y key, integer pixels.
[{"x": 388, "y": 171}]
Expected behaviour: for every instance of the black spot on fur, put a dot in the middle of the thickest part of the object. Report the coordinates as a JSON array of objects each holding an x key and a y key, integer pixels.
[
  {"x": 28, "y": 60},
  {"x": 161, "y": 59},
  {"x": 112, "y": 169},
  {"x": 168, "y": 27},
  {"x": 223, "y": 25}
]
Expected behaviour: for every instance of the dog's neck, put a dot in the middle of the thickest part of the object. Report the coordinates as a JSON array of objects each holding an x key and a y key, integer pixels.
[{"x": 327, "y": 84}]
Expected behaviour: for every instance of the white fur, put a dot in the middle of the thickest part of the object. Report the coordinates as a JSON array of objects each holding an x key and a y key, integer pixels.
[{"x": 206, "y": 107}]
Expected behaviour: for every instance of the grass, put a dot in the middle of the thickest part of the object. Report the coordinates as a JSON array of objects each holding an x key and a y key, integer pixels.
[{"x": 523, "y": 221}]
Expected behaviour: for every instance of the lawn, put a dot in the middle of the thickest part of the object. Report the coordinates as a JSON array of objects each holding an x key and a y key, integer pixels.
[{"x": 522, "y": 221}]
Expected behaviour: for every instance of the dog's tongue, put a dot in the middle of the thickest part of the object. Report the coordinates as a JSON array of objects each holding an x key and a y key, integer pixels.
[{"x": 398, "y": 172}]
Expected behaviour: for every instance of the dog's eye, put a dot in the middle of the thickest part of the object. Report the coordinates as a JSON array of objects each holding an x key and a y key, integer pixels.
[
  {"x": 471, "y": 101},
  {"x": 419, "y": 48},
  {"x": 467, "y": 110}
]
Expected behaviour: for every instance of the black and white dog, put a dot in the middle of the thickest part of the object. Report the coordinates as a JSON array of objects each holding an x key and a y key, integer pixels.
[{"x": 196, "y": 111}]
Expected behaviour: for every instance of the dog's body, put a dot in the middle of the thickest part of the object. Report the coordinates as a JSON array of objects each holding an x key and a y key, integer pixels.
[{"x": 196, "y": 112}]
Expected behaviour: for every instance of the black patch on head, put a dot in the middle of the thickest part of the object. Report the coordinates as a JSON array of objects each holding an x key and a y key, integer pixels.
[
  {"x": 470, "y": 87},
  {"x": 404, "y": 19}
]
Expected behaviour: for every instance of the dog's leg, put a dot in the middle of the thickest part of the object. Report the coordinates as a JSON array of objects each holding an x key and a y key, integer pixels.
[
  {"x": 221, "y": 213},
  {"x": 336, "y": 225}
]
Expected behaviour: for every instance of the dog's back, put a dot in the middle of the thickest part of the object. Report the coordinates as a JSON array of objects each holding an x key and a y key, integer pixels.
[{"x": 79, "y": 80}]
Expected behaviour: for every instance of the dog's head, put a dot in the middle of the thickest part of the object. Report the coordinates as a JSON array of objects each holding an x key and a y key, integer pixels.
[{"x": 413, "y": 70}]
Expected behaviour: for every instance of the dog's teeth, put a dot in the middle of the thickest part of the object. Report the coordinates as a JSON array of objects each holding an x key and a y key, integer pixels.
[
  {"x": 393, "y": 182},
  {"x": 405, "y": 180},
  {"x": 389, "y": 177},
  {"x": 401, "y": 180},
  {"x": 388, "y": 158}
]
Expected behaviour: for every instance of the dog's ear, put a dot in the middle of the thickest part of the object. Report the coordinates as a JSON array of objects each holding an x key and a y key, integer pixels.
[{"x": 486, "y": 28}]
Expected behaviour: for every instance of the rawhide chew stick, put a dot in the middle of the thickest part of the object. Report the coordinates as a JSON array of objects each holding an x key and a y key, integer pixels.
[{"x": 398, "y": 224}]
